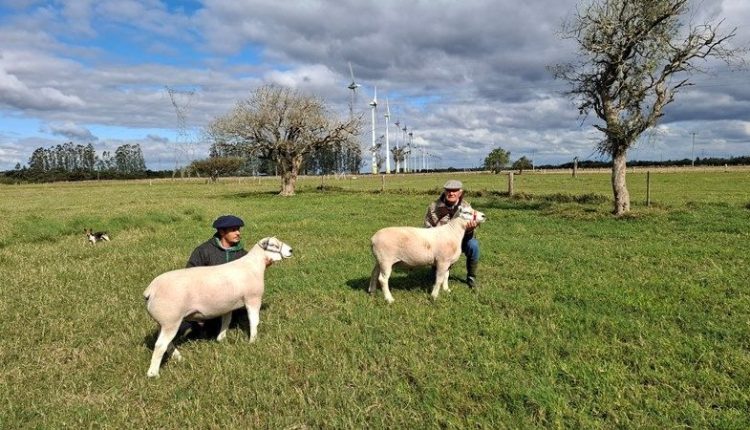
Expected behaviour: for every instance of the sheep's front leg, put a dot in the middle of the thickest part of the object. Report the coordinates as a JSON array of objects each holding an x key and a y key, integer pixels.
[
  {"x": 161, "y": 346},
  {"x": 445, "y": 281},
  {"x": 253, "y": 316},
  {"x": 441, "y": 280},
  {"x": 225, "y": 320}
]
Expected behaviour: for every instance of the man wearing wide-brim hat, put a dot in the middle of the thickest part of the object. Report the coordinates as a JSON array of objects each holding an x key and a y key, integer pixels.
[{"x": 443, "y": 210}]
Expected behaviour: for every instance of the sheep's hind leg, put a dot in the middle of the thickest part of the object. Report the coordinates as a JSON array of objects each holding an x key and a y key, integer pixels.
[
  {"x": 385, "y": 274},
  {"x": 374, "y": 278},
  {"x": 225, "y": 320},
  {"x": 162, "y": 345}
]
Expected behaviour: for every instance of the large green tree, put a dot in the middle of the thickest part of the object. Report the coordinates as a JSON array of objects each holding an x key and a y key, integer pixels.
[
  {"x": 496, "y": 160},
  {"x": 635, "y": 55},
  {"x": 214, "y": 167},
  {"x": 285, "y": 125}
]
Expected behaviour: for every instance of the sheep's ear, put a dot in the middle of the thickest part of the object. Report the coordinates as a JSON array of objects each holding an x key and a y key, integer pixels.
[{"x": 264, "y": 243}]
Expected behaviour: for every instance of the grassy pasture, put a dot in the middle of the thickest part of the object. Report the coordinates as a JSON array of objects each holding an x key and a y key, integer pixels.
[{"x": 582, "y": 321}]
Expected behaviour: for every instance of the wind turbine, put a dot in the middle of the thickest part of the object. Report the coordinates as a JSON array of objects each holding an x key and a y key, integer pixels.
[
  {"x": 416, "y": 156},
  {"x": 387, "y": 145},
  {"x": 353, "y": 86},
  {"x": 398, "y": 154},
  {"x": 406, "y": 154},
  {"x": 374, "y": 106}
]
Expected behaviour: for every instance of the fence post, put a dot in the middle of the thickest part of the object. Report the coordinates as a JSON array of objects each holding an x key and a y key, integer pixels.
[
  {"x": 510, "y": 184},
  {"x": 648, "y": 188},
  {"x": 575, "y": 167},
  {"x": 382, "y": 183}
]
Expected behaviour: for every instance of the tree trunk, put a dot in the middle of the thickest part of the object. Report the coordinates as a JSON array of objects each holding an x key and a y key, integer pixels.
[
  {"x": 619, "y": 187},
  {"x": 289, "y": 177}
]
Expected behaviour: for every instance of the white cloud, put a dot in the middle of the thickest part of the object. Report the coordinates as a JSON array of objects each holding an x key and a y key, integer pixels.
[
  {"x": 70, "y": 130},
  {"x": 16, "y": 94}
]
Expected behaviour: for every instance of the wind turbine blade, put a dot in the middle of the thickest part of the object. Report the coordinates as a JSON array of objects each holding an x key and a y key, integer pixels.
[
  {"x": 351, "y": 71},
  {"x": 387, "y": 109}
]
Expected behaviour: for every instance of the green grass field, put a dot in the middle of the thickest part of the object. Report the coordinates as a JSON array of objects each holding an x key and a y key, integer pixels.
[{"x": 583, "y": 320}]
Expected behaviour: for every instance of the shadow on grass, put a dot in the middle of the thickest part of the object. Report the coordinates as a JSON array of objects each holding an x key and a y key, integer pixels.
[
  {"x": 208, "y": 332},
  {"x": 246, "y": 194},
  {"x": 420, "y": 278}
]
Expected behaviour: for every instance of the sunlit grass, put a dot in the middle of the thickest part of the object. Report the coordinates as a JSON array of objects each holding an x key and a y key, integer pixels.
[{"x": 583, "y": 320}]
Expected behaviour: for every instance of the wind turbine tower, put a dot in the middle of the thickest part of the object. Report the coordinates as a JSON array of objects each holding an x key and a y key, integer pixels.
[
  {"x": 406, "y": 154},
  {"x": 398, "y": 164},
  {"x": 414, "y": 167},
  {"x": 374, "y": 106},
  {"x": 387, "y": 143}
]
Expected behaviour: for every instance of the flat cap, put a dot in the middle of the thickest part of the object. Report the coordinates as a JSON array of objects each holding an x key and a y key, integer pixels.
[
  {"x": 453, "y": 185},
  {"x": 228, "y": 221}
]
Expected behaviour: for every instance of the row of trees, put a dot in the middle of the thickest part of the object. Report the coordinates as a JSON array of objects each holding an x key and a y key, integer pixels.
[{"x": 70, "y": 161}]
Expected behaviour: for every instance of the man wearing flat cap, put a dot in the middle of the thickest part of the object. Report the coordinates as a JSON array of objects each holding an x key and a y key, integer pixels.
[
  {"x": 223, "y": 247},
  {"x": 443, "y": 210}
]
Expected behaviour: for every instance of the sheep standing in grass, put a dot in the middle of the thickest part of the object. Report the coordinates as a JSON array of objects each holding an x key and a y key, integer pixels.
[
  {"x": 439, "y": 247},
  {"x": 203, "y": 292}
]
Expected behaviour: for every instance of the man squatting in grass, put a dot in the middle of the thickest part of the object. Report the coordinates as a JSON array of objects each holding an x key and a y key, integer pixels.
[
  {"x": 442, "y": 210},
  {"x": 224, "y": 246}
]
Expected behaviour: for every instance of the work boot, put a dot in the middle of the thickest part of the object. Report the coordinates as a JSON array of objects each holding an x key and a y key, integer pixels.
[{"x": 471, "y": 274}]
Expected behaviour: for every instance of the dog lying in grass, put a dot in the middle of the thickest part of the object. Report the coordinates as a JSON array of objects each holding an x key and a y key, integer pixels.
[
  {"x": 94, "y": 237},
  {"x": 205, "y": 292}
]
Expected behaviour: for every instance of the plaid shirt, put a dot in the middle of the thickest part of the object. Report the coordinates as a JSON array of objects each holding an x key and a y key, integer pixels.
[{"x": 438, "y": 213}]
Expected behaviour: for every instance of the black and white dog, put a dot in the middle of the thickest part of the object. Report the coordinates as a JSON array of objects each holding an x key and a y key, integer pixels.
[{"x": 96, "y": 237}]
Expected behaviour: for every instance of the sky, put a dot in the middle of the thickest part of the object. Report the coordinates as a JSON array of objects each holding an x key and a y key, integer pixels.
[{"x": 464, "y": 77}]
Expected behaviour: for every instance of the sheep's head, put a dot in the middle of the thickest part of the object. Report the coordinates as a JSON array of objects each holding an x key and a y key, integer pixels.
[
  {"x": 469, "y": 214},
  {"x": 275, "y": 249}
]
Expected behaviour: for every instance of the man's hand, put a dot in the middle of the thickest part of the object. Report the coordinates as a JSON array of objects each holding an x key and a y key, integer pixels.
[{"x": 471, "y": 225}]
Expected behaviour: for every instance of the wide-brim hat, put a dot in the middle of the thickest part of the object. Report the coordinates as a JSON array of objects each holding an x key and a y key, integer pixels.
[
  {"x": 228, "y": 221},
  {"x": 453, "y": 185}
]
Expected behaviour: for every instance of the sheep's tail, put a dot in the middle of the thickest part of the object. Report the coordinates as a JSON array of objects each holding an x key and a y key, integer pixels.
[{"x": 149, "y": 292}]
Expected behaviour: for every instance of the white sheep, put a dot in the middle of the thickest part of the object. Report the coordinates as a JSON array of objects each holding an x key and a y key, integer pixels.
[
  {"x": 204, "y": 292},
  {"x": 439, "y": 247}
]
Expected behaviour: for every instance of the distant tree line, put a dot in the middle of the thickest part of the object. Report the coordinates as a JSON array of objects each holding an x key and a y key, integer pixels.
[
  {"x": 75, "y": 162},
  {"x": 708, "y": 161}
]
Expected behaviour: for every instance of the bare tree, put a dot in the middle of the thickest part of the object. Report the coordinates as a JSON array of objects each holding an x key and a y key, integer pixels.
[
  {"x": 635, "y": 56},
  {"x": 285, "y": 125}
]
